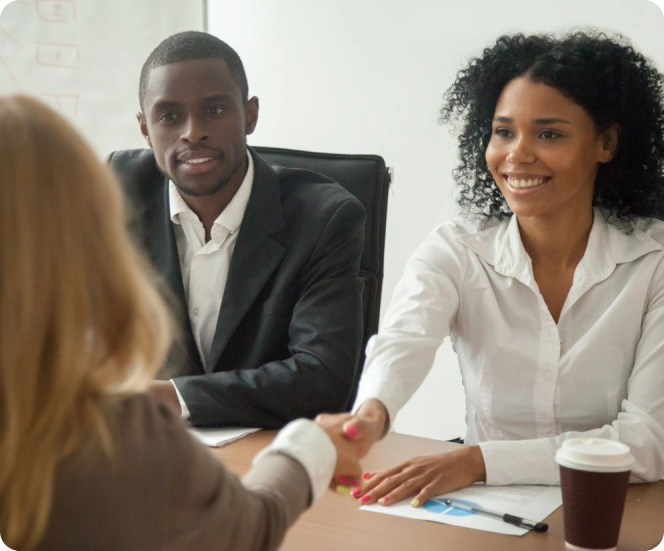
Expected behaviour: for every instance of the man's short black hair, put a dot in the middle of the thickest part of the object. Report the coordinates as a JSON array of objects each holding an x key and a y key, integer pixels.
[{"x": 190, "y": 45}]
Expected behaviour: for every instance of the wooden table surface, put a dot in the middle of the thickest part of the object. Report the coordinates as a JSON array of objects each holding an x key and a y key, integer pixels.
[{"x": 336, "y": 524}]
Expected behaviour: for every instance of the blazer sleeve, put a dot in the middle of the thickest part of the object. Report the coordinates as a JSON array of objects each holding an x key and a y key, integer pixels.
[
  {"x": 210, "y": 508},
  {"x": 324, "y": 341}
]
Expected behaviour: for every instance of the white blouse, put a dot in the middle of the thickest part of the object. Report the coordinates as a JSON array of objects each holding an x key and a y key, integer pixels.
[{"x": 531, "y": 383}]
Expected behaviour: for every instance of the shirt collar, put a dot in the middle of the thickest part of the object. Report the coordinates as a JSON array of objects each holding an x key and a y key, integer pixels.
[
  {"x": 231, "y": 217},
  {"x": 499, "y": 244}
]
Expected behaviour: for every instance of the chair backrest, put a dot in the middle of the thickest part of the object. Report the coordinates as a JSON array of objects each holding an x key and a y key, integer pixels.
[{"x": 368, "y": 179}]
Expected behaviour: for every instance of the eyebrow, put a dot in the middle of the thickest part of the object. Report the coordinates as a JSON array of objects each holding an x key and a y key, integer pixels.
[
  {"x": 169, "y": 104},
  {"x": 164, "y": 104},
  {"x": 217, "y": 97},
  {"x": 508, "y": 120}
]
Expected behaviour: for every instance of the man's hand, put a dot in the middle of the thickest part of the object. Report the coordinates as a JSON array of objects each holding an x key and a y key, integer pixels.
[
  {"x": 164, "y": 391},
  {"x": 425, "y": 477}
]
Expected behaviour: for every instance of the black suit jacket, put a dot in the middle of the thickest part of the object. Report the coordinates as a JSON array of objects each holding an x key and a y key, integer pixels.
[{"x": 289, "y": 331}]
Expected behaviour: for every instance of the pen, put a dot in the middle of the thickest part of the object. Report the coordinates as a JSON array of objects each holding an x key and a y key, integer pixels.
[{"x": 511, "y": 519}]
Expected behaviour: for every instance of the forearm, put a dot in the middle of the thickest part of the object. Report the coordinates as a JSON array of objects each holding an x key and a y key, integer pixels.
[
  {"x": 532, "y": 461},
  {"x": 269, "y": 396},
  {"x": 281, "y": 491}
]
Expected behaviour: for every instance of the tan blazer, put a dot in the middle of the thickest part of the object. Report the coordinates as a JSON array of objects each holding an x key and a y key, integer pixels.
[{"x": 162, "y": 490}]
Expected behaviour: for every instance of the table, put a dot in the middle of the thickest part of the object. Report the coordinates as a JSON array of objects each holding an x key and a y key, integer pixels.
[{"x": 336, "y": 524}]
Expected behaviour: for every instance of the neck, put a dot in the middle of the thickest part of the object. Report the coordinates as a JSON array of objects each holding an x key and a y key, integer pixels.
[
  {"x": 559, "y": 241},
  {"x": 209, "y": 207}
]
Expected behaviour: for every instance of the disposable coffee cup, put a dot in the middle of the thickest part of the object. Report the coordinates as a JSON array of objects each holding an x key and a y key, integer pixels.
[{"x": 594, "y": 475}]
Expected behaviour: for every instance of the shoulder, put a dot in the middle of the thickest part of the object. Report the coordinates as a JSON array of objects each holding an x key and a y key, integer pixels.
[
  {"x": 306, "y": 193},
  {"x": 650, "y": 227},
  {"x": 452, "y": 241},
  {"x": 140, "y": 423},
  {"x": 136, "y": 169}
]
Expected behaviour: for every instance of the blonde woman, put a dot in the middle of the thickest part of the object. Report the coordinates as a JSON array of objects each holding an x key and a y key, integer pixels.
[{"x": 87, "y": 461}]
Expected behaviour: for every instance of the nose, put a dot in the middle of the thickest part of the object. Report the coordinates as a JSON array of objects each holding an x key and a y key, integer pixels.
[
  {"x": 521, "y": 152},
  {"x": 194, "y": 130}
]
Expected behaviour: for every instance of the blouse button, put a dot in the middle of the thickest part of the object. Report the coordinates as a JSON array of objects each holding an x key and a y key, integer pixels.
[{"x": 546, "y": 375}]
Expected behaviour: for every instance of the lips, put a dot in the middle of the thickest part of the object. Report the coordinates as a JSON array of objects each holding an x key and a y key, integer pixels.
[
  {"x": 198, "y": 161},
  {"x": 525, "y": 181}
]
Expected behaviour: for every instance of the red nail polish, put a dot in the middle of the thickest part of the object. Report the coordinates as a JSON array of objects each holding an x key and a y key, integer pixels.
[
  {"x": 343, "y": 479},
  {"x": 356, "y": 492},
  {"x": 366, "y": 476},
  {"x": 350, "y": 431},
  {"x": 365, "y": 499}
]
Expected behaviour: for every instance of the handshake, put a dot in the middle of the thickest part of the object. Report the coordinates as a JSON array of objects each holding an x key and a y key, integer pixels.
[
  {"x": 420, "y": 478},
  {"x": 353, "y": 436}
]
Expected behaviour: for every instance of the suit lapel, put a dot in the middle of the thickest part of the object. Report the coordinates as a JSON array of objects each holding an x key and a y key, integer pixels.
[
  {"x": 255, "y": 256},
  {"x": 162, "y": 249}
]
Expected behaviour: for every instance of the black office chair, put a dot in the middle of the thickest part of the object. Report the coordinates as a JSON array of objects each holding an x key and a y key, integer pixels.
[{"x": 368, "y": 179}]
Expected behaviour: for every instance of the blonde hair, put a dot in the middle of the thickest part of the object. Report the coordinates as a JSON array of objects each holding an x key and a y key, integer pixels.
[{"x": 80, "y": 322}]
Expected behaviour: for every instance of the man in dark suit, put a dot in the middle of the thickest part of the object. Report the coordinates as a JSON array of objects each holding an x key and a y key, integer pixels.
[{"x": 262, "y": 262}]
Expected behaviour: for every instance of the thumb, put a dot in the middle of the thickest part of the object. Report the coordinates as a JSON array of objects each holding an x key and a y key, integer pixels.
[{"x": 351, "y": 429}]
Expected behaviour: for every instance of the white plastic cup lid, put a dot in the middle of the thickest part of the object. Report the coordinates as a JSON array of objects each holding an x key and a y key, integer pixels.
[{"x": 595, "y": 454}]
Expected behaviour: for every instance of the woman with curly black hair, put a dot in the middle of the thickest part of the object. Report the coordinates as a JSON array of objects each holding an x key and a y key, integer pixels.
[{"x": 552, "y": 287}]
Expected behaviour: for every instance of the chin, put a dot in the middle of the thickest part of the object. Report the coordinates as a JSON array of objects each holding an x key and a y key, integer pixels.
[{"x": 200, "y": 189}]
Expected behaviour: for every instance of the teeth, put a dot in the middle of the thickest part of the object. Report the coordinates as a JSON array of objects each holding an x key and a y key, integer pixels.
[
  {"x": 521, "y": 184},
  {"x": 197, "y": 161}
]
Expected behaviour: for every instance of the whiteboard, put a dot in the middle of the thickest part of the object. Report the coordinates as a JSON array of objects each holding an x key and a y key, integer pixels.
[{"x": 84, "y": 57}]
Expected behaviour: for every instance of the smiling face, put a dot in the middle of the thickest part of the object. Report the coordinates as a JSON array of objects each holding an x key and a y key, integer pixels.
[
  {"x": 545, "y": 149},
  {"x": 196, "y": 121}
]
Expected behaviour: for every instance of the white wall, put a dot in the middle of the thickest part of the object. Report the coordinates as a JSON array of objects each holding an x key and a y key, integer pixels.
[{"x": 367, "y": 76}]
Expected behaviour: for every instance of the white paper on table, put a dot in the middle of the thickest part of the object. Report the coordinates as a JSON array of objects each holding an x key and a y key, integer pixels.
[
  {"x": 531, "y": 502},
  {"x": 215, "y": 437}
]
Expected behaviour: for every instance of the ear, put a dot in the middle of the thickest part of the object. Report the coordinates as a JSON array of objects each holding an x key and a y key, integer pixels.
[
  {"x": 143, "y": 125},
  {"x": 609, "y": 140},
  {"x": 251, "y": 112}
]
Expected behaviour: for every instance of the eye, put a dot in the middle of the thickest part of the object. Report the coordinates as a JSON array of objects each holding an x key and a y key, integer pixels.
[
  {"x": 216, "y": 110},
  {"x": 502, "y": 132},
  {"x": 549, "y": 135},
  {"x": 167, "y": 117}
]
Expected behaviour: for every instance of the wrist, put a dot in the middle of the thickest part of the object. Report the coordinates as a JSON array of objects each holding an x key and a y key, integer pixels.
[
  {"x": 475, "y": 459},
  {"x": 375, "y": 411}
]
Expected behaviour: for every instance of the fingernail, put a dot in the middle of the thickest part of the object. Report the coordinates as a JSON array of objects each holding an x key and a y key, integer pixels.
[
  {"x": 415, "y": 502},
  {"x": 365, "y": 499},
  {"x": 350, "y": 431},
  {"x": 384, "y": 500},
  {"x": 356, "y": 492},
  {"x": 343, "y": 490},
  {"x": 367, "y": 476},
  {"x": 343, "y": 479}
]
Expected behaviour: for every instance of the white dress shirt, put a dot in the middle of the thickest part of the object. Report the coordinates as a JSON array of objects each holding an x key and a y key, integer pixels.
[
  {"x": 306, "y": 442},
  {"x": 204, "y": 266},
  {"x": 531, "y": 383}
]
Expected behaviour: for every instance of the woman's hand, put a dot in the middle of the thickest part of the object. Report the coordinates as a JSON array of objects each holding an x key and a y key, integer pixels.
[
  {"x": 364, "y": 428},
  {"x": 425, "y": 477},
  {"x": 347, "y": 471},
  {"x": 353, "y": 436}
]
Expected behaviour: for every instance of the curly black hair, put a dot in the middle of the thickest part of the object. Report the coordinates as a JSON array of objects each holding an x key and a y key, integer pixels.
[{"x": 602, "y": 74}]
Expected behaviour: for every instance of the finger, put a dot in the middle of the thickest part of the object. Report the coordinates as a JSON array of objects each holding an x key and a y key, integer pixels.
[
  {"x": 378, "y": 477},
  {"x": 323, "y": 417},
  {"x": 350, "y": 429},
  {"x": 424, "y": 495},
  {"x": 382, "y": 489},
  {"x": 347, "y": 480},
  {"x": 405, "y": 489},
  {"x": 373, "y": 481}
]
